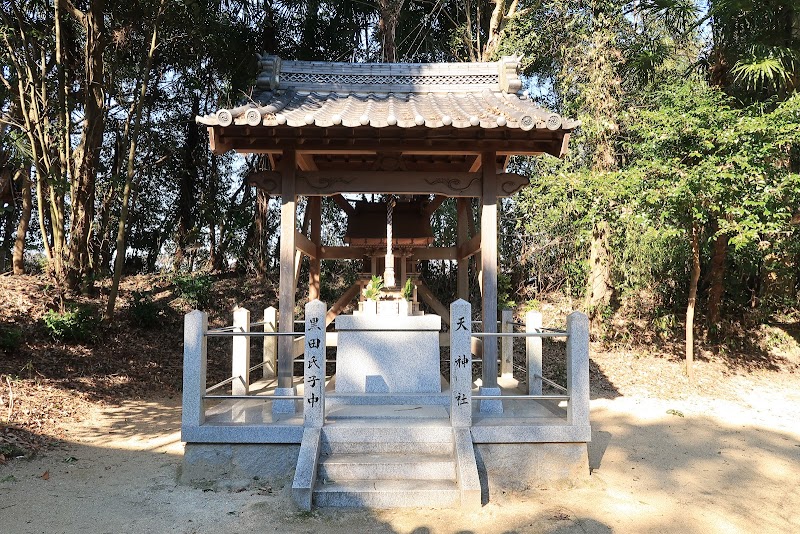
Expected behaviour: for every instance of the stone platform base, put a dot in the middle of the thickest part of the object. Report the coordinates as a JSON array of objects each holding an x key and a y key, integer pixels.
[
  {"x": 502, "y": 467},
  {"x": 517, "y": 467},
  {"x": 234, "y": 466}
]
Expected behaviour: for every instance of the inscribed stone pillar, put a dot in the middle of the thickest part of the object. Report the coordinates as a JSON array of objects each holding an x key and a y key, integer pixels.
[
  {"x": 460, "y": 364},
  {"x": 314, "y": 365}
]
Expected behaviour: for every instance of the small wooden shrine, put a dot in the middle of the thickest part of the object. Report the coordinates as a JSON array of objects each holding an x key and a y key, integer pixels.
[
  {"x": 423, "y": 132},
  {"x": 395, "y": 423}
]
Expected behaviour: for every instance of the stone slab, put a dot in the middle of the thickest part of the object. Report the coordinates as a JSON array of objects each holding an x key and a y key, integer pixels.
[
  {"x": 221, "y": 464},
  {"x": 388, "y": 466},
  {"x": 506, "y": 433},
  {"x": 468, "y": 481},
  {"x": 243, "y": 434},
  {"x": 388, "y": 322},
  {"x": 521, "y": 466},
  {"x": 390, "y": 354},
  {"x": 369, "y": 413},
  {"x": 305, "y": 475},
  {"x": 388, "y": 494},
  {"x": 366, "y": 399}
]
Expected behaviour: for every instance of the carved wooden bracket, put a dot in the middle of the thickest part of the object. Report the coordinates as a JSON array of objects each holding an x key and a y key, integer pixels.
[{"x": 327, "y": 183}]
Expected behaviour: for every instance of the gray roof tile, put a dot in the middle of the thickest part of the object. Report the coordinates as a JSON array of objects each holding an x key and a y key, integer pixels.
[{"x": 407, "y": 95}]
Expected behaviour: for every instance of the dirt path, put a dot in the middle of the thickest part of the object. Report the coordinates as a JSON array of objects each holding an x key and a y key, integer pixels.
[{"x": 723, "y": 466}]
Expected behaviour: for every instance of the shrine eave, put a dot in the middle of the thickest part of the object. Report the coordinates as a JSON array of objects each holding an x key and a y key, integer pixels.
[
  {"x": 432, "y": 104},
  {"x": 366, "y": 140}
]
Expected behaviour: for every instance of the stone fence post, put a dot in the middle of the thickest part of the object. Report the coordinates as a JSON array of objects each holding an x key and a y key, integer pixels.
[
  {"x": 240, "y": 359},
  {"x": 578, "y": 369},
  {"x": 314, "y": 366},
  {"x": 270, "y": 356},
  {"x": 533, "y": 352},
  {"x": 460, "y": 364},
  {"x": 507, "y": 344},
  {"x": 195, "y": 326}
]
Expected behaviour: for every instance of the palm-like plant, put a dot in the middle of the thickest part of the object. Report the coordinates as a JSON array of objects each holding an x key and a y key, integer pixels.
[{"x": 752, "y": 48}]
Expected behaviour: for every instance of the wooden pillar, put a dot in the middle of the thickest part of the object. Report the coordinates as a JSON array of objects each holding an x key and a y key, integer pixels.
[
  {"x": 286, "y": 288},
  {"x": 489, "y": 266},
  {"x": 462, "y": 285},
  {"x": 315, "y": 210}
]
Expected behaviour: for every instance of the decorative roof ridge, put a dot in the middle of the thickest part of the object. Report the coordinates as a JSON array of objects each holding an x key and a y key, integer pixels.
[{"x": 500, "y": 76}]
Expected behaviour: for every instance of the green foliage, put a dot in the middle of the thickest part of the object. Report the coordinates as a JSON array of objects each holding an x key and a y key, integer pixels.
[
  {"x": 408, "y": 289},
  {"x": 373, "y": 289},
  {"x": 10, "y": 337},
  {"x": 143, "y": 311},
  {"x": 76, "y": 324},
  {"x": 531, "y": 305},
  {"x": 195, "y": 289},
  {"x": 504, "y": 292}
]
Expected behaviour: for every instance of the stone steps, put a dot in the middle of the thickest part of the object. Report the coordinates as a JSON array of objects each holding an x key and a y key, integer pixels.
[
  {"x": 386, "y": 466},
  {"x": 388, "y": 493}
]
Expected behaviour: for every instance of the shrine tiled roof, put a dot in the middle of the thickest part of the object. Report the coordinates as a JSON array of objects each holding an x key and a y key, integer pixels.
[{"x": 406, "y": 95}]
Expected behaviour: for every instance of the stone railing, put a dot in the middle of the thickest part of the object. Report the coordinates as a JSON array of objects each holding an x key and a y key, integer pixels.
[
  {"x": 577, "y": 364},
  {"x": 311, "y": 343}
]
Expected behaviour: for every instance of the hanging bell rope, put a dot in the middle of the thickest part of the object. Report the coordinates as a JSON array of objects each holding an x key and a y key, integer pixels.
[{"x": 388, "y": 273}]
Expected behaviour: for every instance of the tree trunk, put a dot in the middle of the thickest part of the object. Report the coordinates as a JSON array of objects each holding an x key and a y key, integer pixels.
[
  {"x": 496, "y": 25},
  {"x": 5, "y": 246},
  {"x": 601, "y": 288},
  {"x": 694, "y": 277},
  {"x": 387, "y": 25},
  {"x": 261, "y": 234},
  {"x": 717, "y": 278},
  {"x": 22, "y": 228},
  {"x": 88, "y": 152},
  {"x": 186, "y": 189},
  {"x": 126, "y": 192}
]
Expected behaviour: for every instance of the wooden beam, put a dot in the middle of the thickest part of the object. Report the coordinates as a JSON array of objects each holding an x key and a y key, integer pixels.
[
  {"x": 470, "y": 248},
  {"x": 315, "y": 208},
  {"x": 305, "y": 245},
  {"x": 343, "y": 204},
  {"x": 476, "y": 164},
  {"x": 298, "y": 255},
  {"x": 431, "y": 300},
  {"x": 418, "y": 253},
  {"x": 462, "y": 282},
  {"x": 434, "y": 204},
  {"x": 489, "y": 267},
  {"x": 331, "y": 183},
  {"x": 215, "y": 143},
  {"x": 370, "y": 140},
  {"x": 342, "y": 253},
  {"x": 286, "y": 287},
  {"x": 305, "y": 162},
  {"x": 351, "y": 293},
  {"x": 434, "y": 253}
]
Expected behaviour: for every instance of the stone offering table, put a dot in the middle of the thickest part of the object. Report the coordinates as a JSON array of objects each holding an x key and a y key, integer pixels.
[{"x": 388, "y": 354}]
